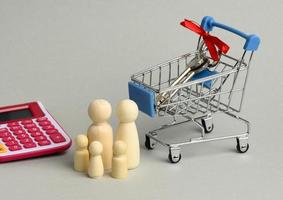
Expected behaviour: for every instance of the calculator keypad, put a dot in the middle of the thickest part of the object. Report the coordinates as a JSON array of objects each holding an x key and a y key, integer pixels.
[
  {"x": 11, "y": 143},
  {"x": 4, "y": 134},
  {"x": 2, "y": 149},
  {"x": 29, "y": 145},
  {"x": 36, "y": 133},
  {"x": 18, "y": 132},
  {"x": 8, "y": 139},
  {"x": 15, "y": 147},
  {"x": 26, "y": 140},
  {"x": 13, "y": 124},
  {"x": 29, "y": 134},
  {"x": 57, "y": 138},
  {"x": 41, "y": 119},
  {"x": 44, "y": 123},
  {"x": 44, "y": 142},
  {"x": 15, "y": 128},
  {"x": 29, "y": 126}
]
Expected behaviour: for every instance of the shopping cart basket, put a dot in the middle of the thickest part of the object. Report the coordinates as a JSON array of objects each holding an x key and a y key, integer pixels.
[{"x": 219, "y": 88}]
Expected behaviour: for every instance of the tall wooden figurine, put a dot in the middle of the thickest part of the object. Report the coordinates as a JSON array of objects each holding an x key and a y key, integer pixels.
[
  {"x": 99, "y": 112},
  {"x": 119, "y": 160},
  {"x": 81, "y": 156},
  {"x": 127, "y": 111},
  {"x": 95, "y": 168}
]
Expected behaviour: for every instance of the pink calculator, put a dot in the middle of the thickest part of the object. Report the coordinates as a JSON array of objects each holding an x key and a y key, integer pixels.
[{"x": 28, "y": 130}]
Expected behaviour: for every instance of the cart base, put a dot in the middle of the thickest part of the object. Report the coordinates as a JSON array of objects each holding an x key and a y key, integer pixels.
[{"x": 206, "y": 125}]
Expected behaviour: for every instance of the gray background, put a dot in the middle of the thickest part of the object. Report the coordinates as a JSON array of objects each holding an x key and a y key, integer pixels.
[{"x": 67, "y": 53}]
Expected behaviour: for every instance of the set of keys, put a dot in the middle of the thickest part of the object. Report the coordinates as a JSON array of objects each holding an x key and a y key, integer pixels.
[{"x": 199, "y": 63}]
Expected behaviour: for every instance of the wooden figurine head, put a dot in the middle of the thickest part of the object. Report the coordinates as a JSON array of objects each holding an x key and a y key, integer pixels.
[
  {"x": 81, "y": 141},
  {"x": 95, "y": 148},
  {"x": 119, "y": 148},
  {"x": 127, "y": 111},
  {"x": 99, "y": 110}
]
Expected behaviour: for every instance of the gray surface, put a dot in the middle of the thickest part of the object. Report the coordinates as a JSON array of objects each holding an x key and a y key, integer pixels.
[{"x": 67, "y": 53}]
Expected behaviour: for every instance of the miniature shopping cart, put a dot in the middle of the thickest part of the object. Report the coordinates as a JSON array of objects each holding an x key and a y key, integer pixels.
[{"x": 217, "y": 88}]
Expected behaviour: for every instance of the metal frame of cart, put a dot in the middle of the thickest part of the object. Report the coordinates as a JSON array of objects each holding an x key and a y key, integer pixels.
[{"x": 199, "y": 100}]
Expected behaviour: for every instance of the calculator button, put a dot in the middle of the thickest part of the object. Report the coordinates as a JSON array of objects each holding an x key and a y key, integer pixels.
[
  {"x": 11, "y": 143},
  {"x": 18, "y": 132},
  {"x": 2, "y": 149},
  {"x": 40, "y": 138},
  {"x": 44, "y": 123},
  {"x": 27, "y": 121},
  {"x": 7, "y": 139},
  {"x": 52, "y": 131},
  {"x": 3, "y": 130},
  {"x": 48, "y": 127},
  {"x": 28, "y": 126},
  {"x": 25, "y": 140},
  {"x": 35, "y": 129},
  {"x": 29, "y": 145},
  {"x": 44, "y": 142},
  {"x": 15, "y": 148},
  {"x": 37, "y": 133},
  {"x": 13, "y": 124},
  {"x": 4, "y": 134},
  {"x": 41, "y": 119},
  {"x": 57, "y": 138},
  {"x": 22, "y": 136},
  {"x": 15, "y": 128}
]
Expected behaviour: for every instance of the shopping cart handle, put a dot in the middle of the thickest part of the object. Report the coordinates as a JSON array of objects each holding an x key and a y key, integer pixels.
[{"x": 252, "y": 41}]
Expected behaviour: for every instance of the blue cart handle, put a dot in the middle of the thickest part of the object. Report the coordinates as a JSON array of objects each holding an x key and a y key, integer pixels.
[{"x": 252, "y": 41}]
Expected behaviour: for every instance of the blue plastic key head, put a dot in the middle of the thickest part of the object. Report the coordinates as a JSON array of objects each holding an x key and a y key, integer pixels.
[
  {"x": 203, "y": 74},
  {"x": 144, "y": 98},
  {"x": 252, "y": 41}
]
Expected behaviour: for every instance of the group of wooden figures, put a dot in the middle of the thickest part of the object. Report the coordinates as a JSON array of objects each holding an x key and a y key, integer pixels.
[{"x": 95, "y": 153}]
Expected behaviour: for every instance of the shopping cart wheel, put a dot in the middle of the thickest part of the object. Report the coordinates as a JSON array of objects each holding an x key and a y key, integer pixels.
[
  {"x": 149, "y": 144},
  {"x": 174, "y": 159},
  {"x": 207, "y": 125},
  {"x": 242, "y": 148},
  {"x": 174, "y": 155}
]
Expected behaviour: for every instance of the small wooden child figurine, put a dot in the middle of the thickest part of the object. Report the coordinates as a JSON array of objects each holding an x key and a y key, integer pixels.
[
  {"x": 127, "y": 111},
  {"x": 100, "y": 111},
  {"x": 119, "y": 160},
  {"x": 95, "y": 168},
  {"x": 81, "y": 157}
]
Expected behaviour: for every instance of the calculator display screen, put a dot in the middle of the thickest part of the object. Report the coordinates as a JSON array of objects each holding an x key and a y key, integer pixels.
[{"x": 17, "y": 114}]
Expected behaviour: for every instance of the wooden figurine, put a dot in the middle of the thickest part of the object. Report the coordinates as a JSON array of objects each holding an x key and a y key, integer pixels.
[
  {"x": 95, "y": 168},
  {"x": 127, "y": 111},
  {"x": 99, "y": 112},
  {"x": 119, "y": 160},
  {"x": 81, "y": 156}
]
